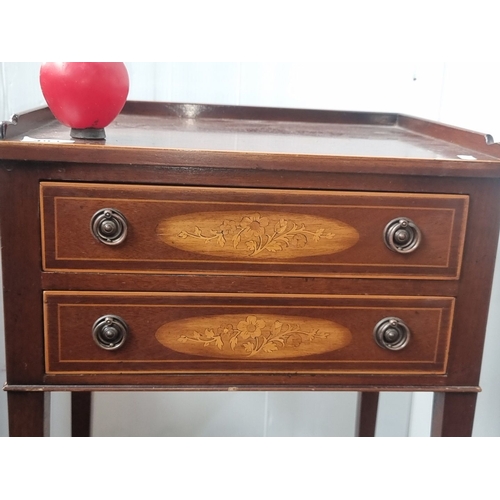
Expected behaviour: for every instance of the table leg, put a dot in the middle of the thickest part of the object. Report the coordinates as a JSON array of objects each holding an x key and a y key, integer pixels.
[
  {"x": 453, "y": 414},
  {"x": 29, "y": 414},
  {"x": 367, "y": 414},
  {"x": 81, "y": 408}
]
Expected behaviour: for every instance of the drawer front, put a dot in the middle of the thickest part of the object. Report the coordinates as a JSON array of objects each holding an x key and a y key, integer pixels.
[
  {"x": 250, "y": 231},
  {"x": 242, "y": 333}
]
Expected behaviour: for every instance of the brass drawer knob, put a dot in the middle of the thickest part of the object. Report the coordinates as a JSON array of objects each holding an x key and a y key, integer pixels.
[
  {"x": 392, "y": 333},
  {"x": 402, "y": 235},
  {"x": 110, "y": 332},
  {"x": 109, "y": 226}
]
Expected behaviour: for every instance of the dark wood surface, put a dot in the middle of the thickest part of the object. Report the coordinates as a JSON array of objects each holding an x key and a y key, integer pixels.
[
  {"x": 250, "y": 155},
  {"x": 29, "y": 413},
  {"x": 193, "y": 333},
  {"x": 21, "y": 264},
  {"x": 81, "y": 414},
  {"x": 138, "y": 282},
  {"x": 193, "y": 135},
  {"x": 453, "y": 414},
  {"x": 193, "y": 230},
  {"x": 366, "y": 419},
  {"x": 283, "y": 131}
]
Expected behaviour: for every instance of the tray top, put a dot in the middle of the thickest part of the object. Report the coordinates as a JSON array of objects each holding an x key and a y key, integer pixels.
[{"x": 161, "y": 128}]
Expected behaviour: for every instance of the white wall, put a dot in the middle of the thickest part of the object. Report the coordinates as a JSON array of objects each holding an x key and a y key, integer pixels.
[{"x": 435, "y": 91}]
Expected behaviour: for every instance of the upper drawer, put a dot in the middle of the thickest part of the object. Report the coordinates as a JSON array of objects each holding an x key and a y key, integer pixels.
[{"x": 251, "y": 231}]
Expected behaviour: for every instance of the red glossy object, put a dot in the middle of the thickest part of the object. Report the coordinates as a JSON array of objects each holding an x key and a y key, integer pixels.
[{"x": 86, "y": 96}]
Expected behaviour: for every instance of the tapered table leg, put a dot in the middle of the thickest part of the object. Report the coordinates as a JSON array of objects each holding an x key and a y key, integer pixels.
[
  {"x": 81, "y": 409},
  {"x": 29, "y": 414},
  {"x": 367, "y": 414},
  {"x": 453, "y": 414}
]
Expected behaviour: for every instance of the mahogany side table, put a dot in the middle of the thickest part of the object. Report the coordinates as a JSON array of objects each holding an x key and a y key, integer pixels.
[{"x": 210, "y": 247}]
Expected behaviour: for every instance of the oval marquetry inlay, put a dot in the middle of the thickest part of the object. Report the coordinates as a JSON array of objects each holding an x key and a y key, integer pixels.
[
  {"x": 264, "y": 234},
  {"x": 257, "y": 336}
]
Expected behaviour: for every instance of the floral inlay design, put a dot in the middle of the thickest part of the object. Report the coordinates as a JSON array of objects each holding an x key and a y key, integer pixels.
[
  {"x": 257, "y": 235},
  {"x": 253, "y": 336}
]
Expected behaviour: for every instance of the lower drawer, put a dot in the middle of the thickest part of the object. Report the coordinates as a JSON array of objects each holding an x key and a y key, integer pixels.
[{"x": 98, "y": 332}]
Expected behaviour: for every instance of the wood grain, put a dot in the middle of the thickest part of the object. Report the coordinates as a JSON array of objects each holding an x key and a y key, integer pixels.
[
  {"x": 447, "y": 407},
  {"x": 29, "y": 413},
  {"x": 255, "y": 235},
  {"x": 81, "y": 414},
  {"x": 273, "y": 136},
  {"x": 21, "y": 265},
  {"x": 366, "y": 418},
  {"x": 312, "y": 233},
  {"x": 184, "y": 162},
  {"x": 156, "y": 320},
  {"x": 262, "y": 336}
]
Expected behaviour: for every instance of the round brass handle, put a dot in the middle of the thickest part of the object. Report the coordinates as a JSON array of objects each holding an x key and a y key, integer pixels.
[
  {"x": 391, "y": 333},
  {"x": 110, "y": 332},
  {"x": 109, "y": 226},
  {"x": 402, "y": 235}
]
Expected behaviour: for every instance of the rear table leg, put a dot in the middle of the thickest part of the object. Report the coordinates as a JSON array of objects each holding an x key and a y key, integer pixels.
[
  {"x": 81, "y": 409},
  {"x": 367, "y": 414}
]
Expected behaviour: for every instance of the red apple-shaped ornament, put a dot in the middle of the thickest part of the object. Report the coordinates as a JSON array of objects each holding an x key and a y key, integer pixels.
[{"x": 86, "y": 96}]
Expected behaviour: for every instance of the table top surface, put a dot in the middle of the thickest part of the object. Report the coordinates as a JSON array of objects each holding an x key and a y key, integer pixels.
[{"x": 162, "y": 128}]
